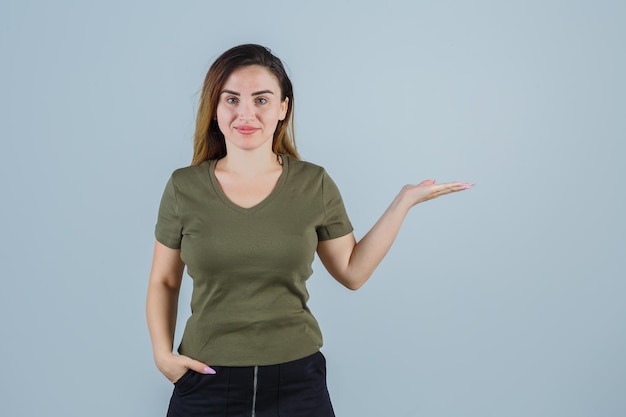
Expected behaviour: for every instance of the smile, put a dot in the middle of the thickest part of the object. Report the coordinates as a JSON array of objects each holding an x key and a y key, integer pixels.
[{"x": 246, "y": 130}]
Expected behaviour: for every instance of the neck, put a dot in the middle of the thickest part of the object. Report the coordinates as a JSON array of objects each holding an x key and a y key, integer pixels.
[{"x": 249, "y": 163}]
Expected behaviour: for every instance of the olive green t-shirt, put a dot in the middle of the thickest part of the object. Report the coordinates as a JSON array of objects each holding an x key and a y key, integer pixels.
[{"x": 250, "y": 266}]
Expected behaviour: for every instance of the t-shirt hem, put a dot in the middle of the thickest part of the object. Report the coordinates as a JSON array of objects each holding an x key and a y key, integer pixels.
[{"x": 259, "y": 362}]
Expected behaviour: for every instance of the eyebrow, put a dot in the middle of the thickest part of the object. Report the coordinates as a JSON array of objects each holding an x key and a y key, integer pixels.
[{"x": 256, "y": 93}]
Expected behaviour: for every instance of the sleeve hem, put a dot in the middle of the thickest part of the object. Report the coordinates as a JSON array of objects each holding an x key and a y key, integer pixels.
[
  {"x": 327, "y": 233},
  {"x": 170, "y": 243}
]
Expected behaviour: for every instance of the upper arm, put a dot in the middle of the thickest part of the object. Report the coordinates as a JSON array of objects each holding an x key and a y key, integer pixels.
[
  {"x": 167, "y": 267},
  {"x": 335, "y": 255}
]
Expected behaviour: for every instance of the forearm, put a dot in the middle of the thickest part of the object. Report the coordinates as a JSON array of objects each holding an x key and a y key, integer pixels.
[
  {"x": 161, "y": 311},
  {"x": 372, "y": 248}
]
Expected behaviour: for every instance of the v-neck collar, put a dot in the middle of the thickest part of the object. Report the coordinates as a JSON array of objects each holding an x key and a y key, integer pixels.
[{"x": 251, "y": 210}]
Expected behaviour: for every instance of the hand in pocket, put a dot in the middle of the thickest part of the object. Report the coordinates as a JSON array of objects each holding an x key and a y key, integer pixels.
[{"x": 175, "y": 366}]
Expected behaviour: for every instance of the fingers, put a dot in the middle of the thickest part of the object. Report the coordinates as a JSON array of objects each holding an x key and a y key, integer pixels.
[
  {"x": 438, "y": 190},
  {"x": 429, "y": 189},
  {"x": 452, "y": 187},
  {"x": 465, "y": 186},
  {"x": 456, "y": 186},
  {"x": 174, "y": 366},
  {"x": 199, "y": 367}
]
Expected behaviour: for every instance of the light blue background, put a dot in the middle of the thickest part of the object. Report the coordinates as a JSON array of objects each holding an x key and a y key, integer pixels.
[{"x": 505, "y": 300}]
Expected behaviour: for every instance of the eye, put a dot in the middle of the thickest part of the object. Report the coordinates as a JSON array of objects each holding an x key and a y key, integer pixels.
[
  {"x": 261, "y": 100},
  {"x": 232, "y": 100}
]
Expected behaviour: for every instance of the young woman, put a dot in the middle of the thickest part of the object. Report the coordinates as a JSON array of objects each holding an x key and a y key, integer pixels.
[{"x": 246, "y": 219}]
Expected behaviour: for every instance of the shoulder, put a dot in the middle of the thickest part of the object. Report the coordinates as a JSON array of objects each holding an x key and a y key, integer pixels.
[
  {"x": 190, "y": 174},
  {"x": 304, "y": 168}
]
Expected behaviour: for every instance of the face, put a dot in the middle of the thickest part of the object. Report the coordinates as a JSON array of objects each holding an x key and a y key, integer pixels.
[{"x": 250, "y": 107}]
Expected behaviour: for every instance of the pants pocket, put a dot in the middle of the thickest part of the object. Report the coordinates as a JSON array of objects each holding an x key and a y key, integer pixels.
[{"x": 186, "y": 383}]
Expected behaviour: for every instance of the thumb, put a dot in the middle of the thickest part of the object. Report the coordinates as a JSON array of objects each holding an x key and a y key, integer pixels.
[
  {"x": 427, "y": 182},
  {"x": 200, "y": 367}
]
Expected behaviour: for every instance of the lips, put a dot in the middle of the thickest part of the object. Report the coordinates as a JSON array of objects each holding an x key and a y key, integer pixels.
[{"x": 246, "y": 130}]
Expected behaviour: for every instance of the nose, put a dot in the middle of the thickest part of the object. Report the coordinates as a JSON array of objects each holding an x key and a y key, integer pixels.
[{"x": 246, "y": 111}]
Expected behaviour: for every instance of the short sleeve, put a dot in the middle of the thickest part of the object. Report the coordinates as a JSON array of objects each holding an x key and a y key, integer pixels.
[
  {"x": 168, "y": 230},
  {"x": 336, "y": 222}
]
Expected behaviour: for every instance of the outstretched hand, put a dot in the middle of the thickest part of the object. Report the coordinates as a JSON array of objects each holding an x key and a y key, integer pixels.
[{"x": 428, "y": 189}]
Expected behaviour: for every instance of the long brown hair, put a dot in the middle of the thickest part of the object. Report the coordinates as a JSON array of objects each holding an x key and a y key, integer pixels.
[{"x": 209, "y": 142}]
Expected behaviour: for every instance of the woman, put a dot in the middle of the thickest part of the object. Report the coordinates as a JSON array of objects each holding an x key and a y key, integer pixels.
[{"x": 246, "y": 219}]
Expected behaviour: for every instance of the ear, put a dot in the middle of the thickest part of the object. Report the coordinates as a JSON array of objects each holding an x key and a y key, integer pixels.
[{"x": 284, "y": 106}]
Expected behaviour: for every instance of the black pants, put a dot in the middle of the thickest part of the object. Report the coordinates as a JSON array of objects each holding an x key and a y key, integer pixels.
[{"x": 291, "y": 389}]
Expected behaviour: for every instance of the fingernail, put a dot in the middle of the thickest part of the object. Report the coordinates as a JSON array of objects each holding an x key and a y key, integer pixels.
[{"x": 209, "y": 371}]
